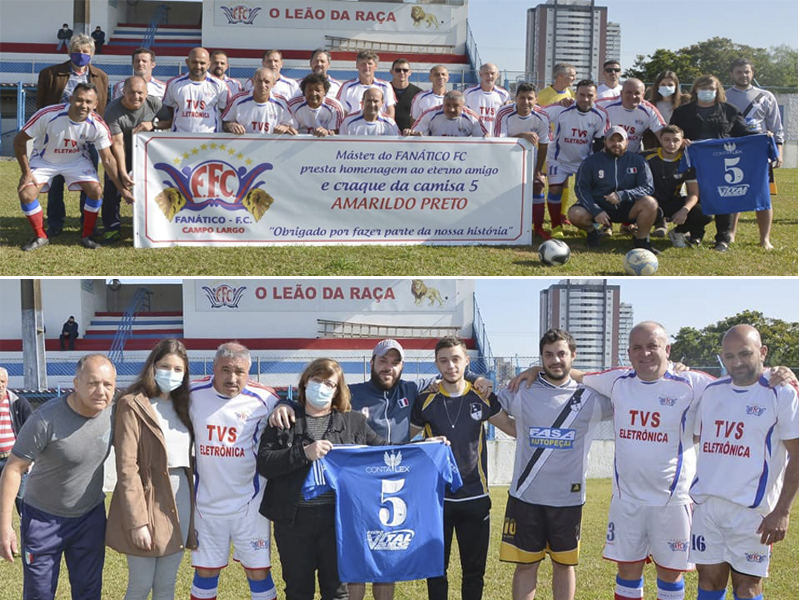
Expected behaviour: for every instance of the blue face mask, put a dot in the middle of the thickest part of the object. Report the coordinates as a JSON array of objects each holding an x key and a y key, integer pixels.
[
  {"x": 318, "y": 394},
  {"x": 80, "y": 59},
  {"x": 706, "y": 95},
  {"x": 168, "y": 380}
]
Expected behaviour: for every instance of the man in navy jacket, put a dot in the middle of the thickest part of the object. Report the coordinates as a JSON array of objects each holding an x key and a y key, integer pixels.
[{"x": 614, "y": 186}]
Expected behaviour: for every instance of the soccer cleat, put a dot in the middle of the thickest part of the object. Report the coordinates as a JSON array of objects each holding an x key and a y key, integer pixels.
[
  {"x": 88, "y": 242},
  {"x": 593, "y": 238},
  {"x": 557, "y": 233},
  {"x": 110, "y": 237},
  {"x": 677, "y": 238},
  {"x": 639, "y": 243},
  {"x": 35, "y": 244},
  {"x": 542, "y": 233}
]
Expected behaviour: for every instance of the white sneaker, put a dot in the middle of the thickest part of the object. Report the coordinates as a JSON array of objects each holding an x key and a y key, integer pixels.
[{"x": 677, "y": 238}]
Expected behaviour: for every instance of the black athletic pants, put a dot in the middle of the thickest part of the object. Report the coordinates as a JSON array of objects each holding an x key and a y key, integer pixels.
[{"x": 470, "y": 520}]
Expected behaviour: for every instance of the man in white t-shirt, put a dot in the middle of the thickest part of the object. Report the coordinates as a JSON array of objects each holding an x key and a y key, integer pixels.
[
  {"x": 144, "y": 61},
  {"x": 745, "y": 488},
  {"x": 320, "y": 63},
  {"x": 439, "y": 76},
  {"x": 315, "y": 112},
  {"x": 451, "y": 119},
  {"x": 229, "y": 414},
  {"x": 611, "y": 86},
  {"x": 197, "y": 98},
  {"x": 369, "y": 121},
  {"x": 633, "y": 113},
  {"x": 61, "y": 133},
  {"x": 219, "y": 69},
  {"x": 259, "y": 111},
  {"x": 486, "y": 98},
  {"x": 352, "y": 91},
  {"x": 284, "y": 86}
]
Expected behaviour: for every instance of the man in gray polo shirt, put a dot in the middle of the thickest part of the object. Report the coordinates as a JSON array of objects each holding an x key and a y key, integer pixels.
[
  {"x": 132, "y": 112},
  {"x": 63, "y": 511}
]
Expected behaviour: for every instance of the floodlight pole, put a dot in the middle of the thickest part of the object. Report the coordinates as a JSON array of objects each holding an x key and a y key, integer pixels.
[{"x": 33, "y": 358}]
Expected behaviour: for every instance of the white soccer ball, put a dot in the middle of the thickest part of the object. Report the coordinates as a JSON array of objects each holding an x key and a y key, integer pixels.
[
  {"x": 640, "y": 262},
  {"x": 554, "y": 252}
]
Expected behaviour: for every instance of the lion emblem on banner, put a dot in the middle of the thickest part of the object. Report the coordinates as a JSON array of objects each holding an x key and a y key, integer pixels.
[
  {"x": 420, "y": 17},
  {"x": 421, "y": 292}
]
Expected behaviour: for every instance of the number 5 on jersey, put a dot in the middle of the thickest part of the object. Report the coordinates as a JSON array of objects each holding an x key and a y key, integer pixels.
[{"x": 395, "y": 513}]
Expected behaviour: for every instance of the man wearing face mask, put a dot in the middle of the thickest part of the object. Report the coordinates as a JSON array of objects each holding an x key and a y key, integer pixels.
[
  {"x": 63, "y": 36},
  {"x": 229, "y": 414},
  {"x": 55, "y": 86}
]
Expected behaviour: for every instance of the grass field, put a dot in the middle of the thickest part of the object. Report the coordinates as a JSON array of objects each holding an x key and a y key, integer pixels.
[
  {"x": 595, "y": 575},
  {"x": 65, "y": 257}
]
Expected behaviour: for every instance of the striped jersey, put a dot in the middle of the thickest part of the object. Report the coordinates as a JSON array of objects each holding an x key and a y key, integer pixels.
[
  {"x": 59, "y": 140},
  {"x": 7, "y": 437},
  {"x": 435, "y": 122},
  {"x": 573, "y": 132},
  {"x": 460, "y": 419},
  {"x": 742, "y": 456},
  {"x": 352, "y": 92},
  {"x": 227, "y": 433},
  {"x": 356, "y": 124},
  {"x": 197, "y": 104},
  {"x": 329, "y": 115},
  {"x": 510, "y": 123},
  {"x": 654, "y": 458},
  {"x": 634, "y": 120},
  {"x": 155, "y": 87},
  {"x": 258, "y": 117},
  {"x": 555, "y": 425},
  {"x": 485, "y": 104},
  {"x": 425, "y": 101}
]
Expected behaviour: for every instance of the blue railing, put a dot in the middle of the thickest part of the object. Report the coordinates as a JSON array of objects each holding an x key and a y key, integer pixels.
[
  {"x": 159, "y": 17},
  {"x": 140, "y": 303}
]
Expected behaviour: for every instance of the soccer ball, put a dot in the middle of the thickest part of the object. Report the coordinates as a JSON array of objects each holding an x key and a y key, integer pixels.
[
  {"x": 640, "y": 262},
  {"x": 554, "y": 252}
]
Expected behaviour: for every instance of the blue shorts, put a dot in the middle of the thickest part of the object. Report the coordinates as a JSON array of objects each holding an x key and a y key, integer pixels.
[{"x": 81, "y": 540}]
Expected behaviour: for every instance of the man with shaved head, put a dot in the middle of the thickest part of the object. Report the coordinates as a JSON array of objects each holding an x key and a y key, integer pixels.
[
  {"x": 632, "y": 112},
  {"x": 486, "y": 98},
  {"x": 744, "y": 487},
  {"x": 196, "y": 98},
  {"x": 259, "y": 111},
  {"x": 67, "y": 441}
]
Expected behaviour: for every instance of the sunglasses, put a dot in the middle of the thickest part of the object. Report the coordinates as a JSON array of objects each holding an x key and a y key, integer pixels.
[
  {"x": 398, "y": 70},
  {"x": 613, "y": 70}
]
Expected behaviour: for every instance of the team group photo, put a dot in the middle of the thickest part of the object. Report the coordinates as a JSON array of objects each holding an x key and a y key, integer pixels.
[{"x": 583, "y": 155}]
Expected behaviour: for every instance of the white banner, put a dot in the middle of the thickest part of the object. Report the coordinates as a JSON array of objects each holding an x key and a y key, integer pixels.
[
  {"x": 350, "y": 16},
  {"x": 325, "y": 296},
  {"x": 228, "y": 190}
]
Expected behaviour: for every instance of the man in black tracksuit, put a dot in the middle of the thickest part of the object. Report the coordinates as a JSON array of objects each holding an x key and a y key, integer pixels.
[{"x": 614, "y": 186}]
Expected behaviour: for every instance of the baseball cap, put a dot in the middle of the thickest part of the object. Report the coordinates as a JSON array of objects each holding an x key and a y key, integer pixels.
[
  {"x": 619, "y": 130},
  {"x": 382, "y": 347}
]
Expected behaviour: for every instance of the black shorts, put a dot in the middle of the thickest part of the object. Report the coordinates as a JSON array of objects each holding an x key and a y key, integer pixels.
[
  {"x": 532, "y": 530},
  {"x": 618, "y": 213}
]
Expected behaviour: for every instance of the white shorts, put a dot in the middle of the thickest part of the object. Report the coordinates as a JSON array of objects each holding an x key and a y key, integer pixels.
[
  {"x": 75, "y": 172},
  {"x": 558, "y": 173},
  {"x": 636, "y": 532},
  {"x": 724, "y": 532},
  {"x": 249, "y": 533}
]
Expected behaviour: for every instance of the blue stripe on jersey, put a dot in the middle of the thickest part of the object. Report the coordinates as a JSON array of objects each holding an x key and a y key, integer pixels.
[
  {"x": 680, "y": 453},
  {"x": 204, "y": 386},
  {"x": 676, "y": 377}
]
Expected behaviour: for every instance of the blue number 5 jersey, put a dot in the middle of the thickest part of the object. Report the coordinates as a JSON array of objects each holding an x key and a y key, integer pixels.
[{"x": 389, "y": 508}]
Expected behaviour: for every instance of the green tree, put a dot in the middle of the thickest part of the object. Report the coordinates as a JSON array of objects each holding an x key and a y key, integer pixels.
[{"x": 699, "y": 347}]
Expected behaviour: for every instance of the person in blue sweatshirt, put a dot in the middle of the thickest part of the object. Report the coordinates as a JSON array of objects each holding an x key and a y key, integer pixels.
[{"x": 614, "y": 186}]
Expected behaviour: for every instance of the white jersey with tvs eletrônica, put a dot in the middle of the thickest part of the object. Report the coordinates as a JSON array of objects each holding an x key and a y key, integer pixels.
[
  {"x": 633, "y": 120},
  {"x": 509, "y": 123},
  {"x": 742, "y": 456},
  {"x": 573, "y": 133},
  {"x": 654, "y": 459},
  {"x": 485, "y": 104},
  {"x": 425, "y": 101},
  {"x": 356, "y": 124},
  {"x": 435, "y": 122},
  {"x": 352, "y": 93},
  {"x": 58, "y": 140},
  {"x": 329, "y": 115},
  {"x": 155, "y": 87},
  {"x": 197, "y": 104},
  {"x": 227, "y": 432},
  {"x": 258, "y": 117}
]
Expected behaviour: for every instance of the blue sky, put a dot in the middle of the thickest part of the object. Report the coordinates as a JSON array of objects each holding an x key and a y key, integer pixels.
[
  {"x": 499, "y": 25},
  {"x": 510, "y": 307}
]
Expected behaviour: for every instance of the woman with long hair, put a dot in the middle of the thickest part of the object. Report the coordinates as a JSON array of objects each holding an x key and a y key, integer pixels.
[
  {"x": 305, "y": 531},
  {"x": 150, "y": 517},
  {"x": 666, "y": 94}
]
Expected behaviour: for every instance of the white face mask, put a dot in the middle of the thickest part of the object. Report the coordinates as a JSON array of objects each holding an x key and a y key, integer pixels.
[
  {"x": 318, "y": 394},
  {"x": 666, "y": 90},
  {"x": 168, "y": 380},
  {"x": 706, "y": 95}
]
